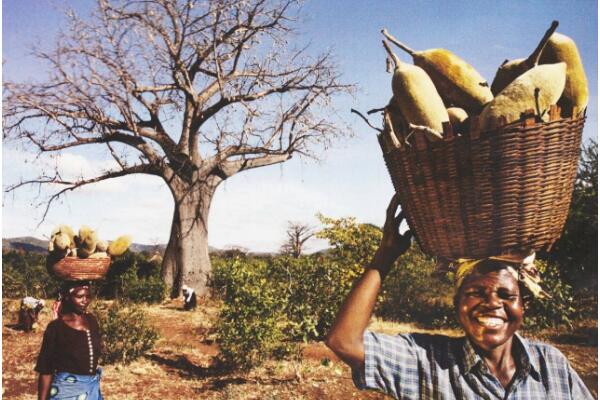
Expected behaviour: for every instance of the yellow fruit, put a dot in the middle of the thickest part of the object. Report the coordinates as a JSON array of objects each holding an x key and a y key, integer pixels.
[
  {"x": 119, "y": 246},
  {"x": 457, "y": 117},
  {"x": 101, "y": 246},
  {"x": 576, "y": 95},
  {"x": 101, "y": 254},
  {"x": 416, "y": 96},
  {"x": 547, "y": 80},
  {"x": 86, "y": 243},
  {"x": 457, "y": 82},
  {"x": 510, "y": 70},
  {"x": 61, "y": 241}
]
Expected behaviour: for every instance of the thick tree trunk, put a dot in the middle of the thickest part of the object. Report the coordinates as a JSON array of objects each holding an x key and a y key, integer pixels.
[
  {"x": 169, "y": 264},
  {"x": 186, "y": 260}
]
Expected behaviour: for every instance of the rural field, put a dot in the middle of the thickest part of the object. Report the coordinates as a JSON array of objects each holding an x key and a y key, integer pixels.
[{"x": 183, "y": 362}]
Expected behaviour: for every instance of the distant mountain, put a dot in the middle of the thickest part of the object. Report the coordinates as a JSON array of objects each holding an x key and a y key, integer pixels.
[
  {"x": 26, "y": 243},
  {"x": 35, "y": 245}
]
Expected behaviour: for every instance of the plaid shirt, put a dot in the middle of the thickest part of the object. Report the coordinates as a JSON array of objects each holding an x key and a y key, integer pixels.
[{"x": 419, "y": 366}]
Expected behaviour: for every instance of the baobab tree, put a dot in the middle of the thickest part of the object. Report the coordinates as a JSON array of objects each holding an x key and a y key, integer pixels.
[
  {"x": 297, "y": 235},
  {"x": 193, "y": 92}
]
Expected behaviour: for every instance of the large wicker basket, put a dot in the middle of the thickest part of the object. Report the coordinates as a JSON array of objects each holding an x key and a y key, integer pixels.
[
  {"x": 489, "y": 193},
  {"x": 79, "y": 269}
]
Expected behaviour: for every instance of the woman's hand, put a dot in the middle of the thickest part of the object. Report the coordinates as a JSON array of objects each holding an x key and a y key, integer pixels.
[
  {"x": 346, "y": 335},
  {"x": 393, "y": 244}
]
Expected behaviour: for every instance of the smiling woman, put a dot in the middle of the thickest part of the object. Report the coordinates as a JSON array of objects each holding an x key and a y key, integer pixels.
[{"x": 490, "y": 361}]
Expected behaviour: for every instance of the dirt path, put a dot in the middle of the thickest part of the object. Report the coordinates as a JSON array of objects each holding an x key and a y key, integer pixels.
[{"x": 182, "y": 366}]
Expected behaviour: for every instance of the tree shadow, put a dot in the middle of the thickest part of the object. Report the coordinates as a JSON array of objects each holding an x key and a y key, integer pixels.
[
  {"x": 186, "y": 368},
  {"x": 219, "y": 375},
  {"x": 582, "y": 336},
  {"x": 18, "y": 327}
]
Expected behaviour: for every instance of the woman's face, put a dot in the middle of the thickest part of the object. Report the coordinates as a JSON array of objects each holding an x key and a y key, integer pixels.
[
  {"x": 80, "y": 299},
  {"x": 490, "y": 308}
]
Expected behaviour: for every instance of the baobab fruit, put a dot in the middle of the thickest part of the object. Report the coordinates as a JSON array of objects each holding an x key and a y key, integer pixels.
[
  {"x": 457, "y": 118},
  {"x": 101, "y": 246},
  {"x": 66, "y": 229},
  {"x": 119, "y": 246},
  {"x": 457, "y": 82},
  {"x": 87, "y": 240},
  {"x": 416, "y": 95},
  {"x": 59, "y": 244},
  {"x": 510, "y": 70},
  {"x": 537, "y": 89},
  {"x": 398, "y": 122},
  {"x": 99, "y": 254},
  {"x": 561, "y": 48}
]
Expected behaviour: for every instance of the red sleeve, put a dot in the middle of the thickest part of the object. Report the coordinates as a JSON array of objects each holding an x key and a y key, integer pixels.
[{"x": 45, "y": 361}]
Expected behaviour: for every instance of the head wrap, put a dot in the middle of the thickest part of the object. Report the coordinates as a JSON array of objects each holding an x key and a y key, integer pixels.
[
  {"x": 521, "y": 268},
  {"x": 66, "y": 289}
]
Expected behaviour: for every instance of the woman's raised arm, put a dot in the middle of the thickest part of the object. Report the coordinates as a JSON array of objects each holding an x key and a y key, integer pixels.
[{"x": 346, "y": 335}]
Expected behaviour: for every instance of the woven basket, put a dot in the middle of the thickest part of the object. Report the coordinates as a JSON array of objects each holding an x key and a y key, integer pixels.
[
  {"x": 80, "y": 269},
  {"x": 489, "y": 193}
]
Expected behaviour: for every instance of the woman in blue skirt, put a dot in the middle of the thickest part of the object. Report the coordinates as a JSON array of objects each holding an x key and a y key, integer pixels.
[{"x": 68, "y": 361}]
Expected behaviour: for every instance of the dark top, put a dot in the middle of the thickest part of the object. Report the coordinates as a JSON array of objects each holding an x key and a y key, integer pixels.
[
  {"x": 65, "y": 349},
  {"x": 191, "y": 303}
]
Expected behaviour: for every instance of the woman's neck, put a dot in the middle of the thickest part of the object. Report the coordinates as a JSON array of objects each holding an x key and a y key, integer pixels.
[{"x": 500, "y": 361}]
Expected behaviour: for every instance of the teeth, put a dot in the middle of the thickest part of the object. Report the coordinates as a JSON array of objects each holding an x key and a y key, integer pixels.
[{"x": 491, "y": 322}]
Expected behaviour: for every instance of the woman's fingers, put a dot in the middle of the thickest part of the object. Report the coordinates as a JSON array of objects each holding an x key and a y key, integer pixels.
[
  {"x": 392, "y": 207},
  {"x": 400, "y": 217}
]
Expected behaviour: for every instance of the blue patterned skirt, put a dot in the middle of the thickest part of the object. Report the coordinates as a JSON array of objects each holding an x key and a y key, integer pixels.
[{"x": 68, "y": 386}]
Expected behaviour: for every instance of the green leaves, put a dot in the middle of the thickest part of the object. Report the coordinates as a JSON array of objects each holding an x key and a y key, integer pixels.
[{"x": 126, "y": 333}]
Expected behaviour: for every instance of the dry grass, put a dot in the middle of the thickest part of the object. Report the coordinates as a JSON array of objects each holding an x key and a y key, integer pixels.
[{"x": 182, "y": 363}]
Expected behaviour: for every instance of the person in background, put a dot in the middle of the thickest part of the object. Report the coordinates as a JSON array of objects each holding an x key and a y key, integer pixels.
[
  {"x": 189, "y": 298},
  {"x": 68, "y": 360},
  {"x": 29, "y": 312},
  {"x": 491, "y": 361}
]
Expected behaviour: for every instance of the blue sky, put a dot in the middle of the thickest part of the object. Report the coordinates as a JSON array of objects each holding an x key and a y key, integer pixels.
[{"x": 252, "y": 208}]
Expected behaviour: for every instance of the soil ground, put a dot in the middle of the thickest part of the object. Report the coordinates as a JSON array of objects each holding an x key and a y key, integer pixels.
[{"x": 182, "y": 364}]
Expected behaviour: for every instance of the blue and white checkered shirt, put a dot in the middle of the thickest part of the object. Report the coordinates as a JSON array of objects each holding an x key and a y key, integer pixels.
[{"x": 419, "y": 366}]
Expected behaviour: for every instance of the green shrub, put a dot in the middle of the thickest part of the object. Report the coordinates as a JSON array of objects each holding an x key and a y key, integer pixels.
[
  {"x": 25, "y": 274},
  {"x": 411, "y": 294},
  {"x": 126, "y": 332},
  {"x": 133, "y": 277},
  {"x": 314, "y": 288},
  {"x": 557, "y": 311},
  {"x": 251, "y": 319},
  {"x": 148, "y": 290}
]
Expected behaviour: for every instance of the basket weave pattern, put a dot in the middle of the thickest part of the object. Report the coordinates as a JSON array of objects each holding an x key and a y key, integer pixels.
[
  {"x": 80, "y": 269},
  {"x": 492, "y": 192}
]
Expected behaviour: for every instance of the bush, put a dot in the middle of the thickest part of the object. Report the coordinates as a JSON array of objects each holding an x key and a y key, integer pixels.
[
  {"x": 557, "y": 311},
  {"x": 411, "y": 294},
  {"x": 148, "y": 290},
  {"x": 133, "y": 277},
  {"x": 25, "y": 274},
  {"x": 576, "y": 252},
  {"x": 313, "y": 288},
  {"x": 251, "y": 319},
  {"x": 125, "y": 332}
]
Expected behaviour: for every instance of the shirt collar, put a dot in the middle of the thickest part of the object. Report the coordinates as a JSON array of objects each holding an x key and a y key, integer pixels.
[{"x": 526, "y": 364}]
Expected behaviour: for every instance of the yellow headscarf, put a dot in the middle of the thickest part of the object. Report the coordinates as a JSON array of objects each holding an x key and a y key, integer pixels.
[{"x": 523, "y": 269}]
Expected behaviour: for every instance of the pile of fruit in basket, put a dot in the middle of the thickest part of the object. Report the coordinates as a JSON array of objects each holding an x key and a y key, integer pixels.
[
  {"x": 441, "y": 89},
  {"x": 85, "y": 245}
]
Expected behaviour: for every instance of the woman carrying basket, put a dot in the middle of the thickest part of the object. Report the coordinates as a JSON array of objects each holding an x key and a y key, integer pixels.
[
  {"x": 491, "y": 361},
  {"x": 68, "y": 360}
]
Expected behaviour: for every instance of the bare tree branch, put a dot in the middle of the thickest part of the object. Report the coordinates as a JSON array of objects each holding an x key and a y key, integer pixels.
[{"x": 193, "y": 91}]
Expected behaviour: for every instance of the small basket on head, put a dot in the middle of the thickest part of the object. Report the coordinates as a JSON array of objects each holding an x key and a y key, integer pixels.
[{"x": 79, "y": 269}]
